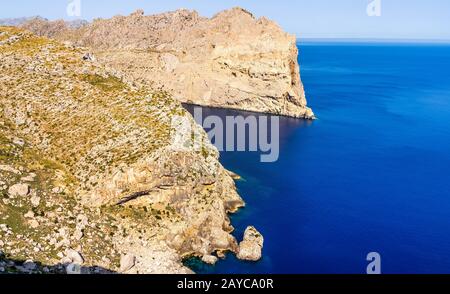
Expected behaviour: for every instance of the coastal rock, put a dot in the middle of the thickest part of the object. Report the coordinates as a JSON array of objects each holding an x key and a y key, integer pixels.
[
  {"x": 232, "y": 60},
  {"x": 251, "y": 247},
  {"x": 35, "y": 200}
]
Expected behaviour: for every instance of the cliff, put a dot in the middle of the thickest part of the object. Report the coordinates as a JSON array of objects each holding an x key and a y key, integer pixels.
[
  {"x": 231, "y": 60},
  {"x": 89, "y": 173}
]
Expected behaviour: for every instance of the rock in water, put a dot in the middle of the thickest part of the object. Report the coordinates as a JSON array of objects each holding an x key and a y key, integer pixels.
[
  {"x": 210, "y": 259},
  {"x": 231, "y": 60},
  {"x": 251, "y": 247}
]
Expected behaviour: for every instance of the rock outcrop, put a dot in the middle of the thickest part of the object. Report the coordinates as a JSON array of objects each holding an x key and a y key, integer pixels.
[
  {"x": 231, "y": 60},
  {"x": 89, "y": 157},
  {"x": 251, "y": 246}
]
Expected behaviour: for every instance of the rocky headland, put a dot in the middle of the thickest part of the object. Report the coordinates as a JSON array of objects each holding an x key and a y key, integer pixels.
[{"x": 232, "y": 60}]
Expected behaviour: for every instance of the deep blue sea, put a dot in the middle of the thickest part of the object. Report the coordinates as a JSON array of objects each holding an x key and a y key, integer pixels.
[{"x": 371, "y": 174}]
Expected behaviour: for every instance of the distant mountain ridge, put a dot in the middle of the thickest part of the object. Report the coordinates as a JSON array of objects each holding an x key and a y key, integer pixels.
[
  {"x": 19, "y": 21},
  {"x": 74, "y": 24}
]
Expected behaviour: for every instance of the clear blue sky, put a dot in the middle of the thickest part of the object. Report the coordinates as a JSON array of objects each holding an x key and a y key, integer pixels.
[{"x": 400, "y": 19}]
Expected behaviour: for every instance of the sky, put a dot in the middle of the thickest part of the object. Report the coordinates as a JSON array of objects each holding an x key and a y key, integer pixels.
[{"x": 392, "y": 19}]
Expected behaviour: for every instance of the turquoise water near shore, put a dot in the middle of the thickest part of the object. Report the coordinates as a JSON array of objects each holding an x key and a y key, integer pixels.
[{"x": 371, "y": 174}]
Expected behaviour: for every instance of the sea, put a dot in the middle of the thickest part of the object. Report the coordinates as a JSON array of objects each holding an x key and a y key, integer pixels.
[{"x": 371, "y": 174}]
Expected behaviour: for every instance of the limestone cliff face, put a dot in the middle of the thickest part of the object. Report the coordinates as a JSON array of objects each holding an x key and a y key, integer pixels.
[
  {"x": 89, "y": 172},
  {"x": 231, "y": 60}
]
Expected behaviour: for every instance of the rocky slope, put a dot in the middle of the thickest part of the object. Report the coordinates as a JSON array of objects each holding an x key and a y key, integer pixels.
[
  {"x": 90, "y": 175},
  {"x": 231, "y": 60}
]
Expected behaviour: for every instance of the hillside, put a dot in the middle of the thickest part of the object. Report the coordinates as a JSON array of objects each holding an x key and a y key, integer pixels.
[
  {"x": 89, "y": 173},
  {"x": 232, "y": 60}
]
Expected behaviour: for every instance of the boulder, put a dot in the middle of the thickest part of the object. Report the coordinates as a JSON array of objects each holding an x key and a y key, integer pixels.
[
  {"x": 34, "y": 224},
  {"x": 232, "y": 60}
]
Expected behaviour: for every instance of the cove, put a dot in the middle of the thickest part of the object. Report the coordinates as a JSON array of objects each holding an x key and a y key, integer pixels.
[{"x": 370, "y": 175}]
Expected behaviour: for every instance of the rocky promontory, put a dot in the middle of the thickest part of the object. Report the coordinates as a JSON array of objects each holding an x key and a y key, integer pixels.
[
  {"x": 90, "y": 178},
  {"x": 232, "y": 60},
  {"x": 251, "y": 246}
]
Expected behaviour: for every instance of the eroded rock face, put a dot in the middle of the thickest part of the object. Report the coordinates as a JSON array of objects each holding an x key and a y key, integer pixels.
[
  {"x": 251, "y": 247},
  {"x": 231, "y": 60}
]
